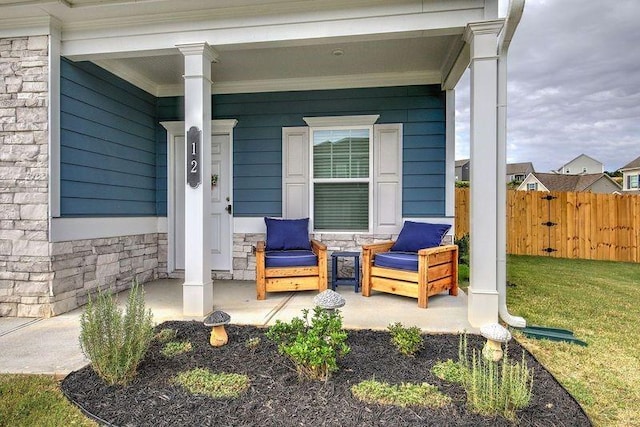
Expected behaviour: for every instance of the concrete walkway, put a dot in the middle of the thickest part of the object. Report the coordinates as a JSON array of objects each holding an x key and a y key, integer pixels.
[{"x": 51, "y": 346}]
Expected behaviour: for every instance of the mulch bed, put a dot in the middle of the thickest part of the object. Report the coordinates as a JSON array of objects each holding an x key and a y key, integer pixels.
[{"x": 277, "y": 398}]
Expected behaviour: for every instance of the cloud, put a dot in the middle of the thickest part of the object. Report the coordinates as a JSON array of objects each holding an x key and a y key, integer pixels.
[{"x": 573, "y": 85}]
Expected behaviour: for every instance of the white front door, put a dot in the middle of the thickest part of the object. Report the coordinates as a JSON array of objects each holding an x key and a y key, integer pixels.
[
  {"x": 221, "y": 206},
  {"x": 221, "y": 201}
]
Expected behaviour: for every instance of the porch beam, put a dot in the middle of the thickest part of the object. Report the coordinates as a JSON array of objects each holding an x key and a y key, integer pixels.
[
  {"x": 483, "y": 290},
  {"x": 197, "y": 290}
]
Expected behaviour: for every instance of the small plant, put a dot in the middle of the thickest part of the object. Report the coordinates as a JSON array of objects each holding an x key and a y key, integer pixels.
[
  {"x": 253, "y": 343},
  {"x": 216, "y": 385},
  {"x": 403, "y": 395},
  {"x": 492, "y": 387},
  {"x": 313, "y": 346},
  {"x": 116, "y": 343},
  {"x": 174, "y": 348},
  {"x": 166, "y": 334},
  {"x": 408, "y": 341},
  {"x": 451, "y": 371}
]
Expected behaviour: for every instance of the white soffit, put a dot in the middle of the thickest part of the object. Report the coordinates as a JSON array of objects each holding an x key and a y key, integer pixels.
[{"x": 388, "y": 62}]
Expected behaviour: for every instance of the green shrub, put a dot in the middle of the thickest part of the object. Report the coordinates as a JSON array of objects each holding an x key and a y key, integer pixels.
[
  {"x": 174, "y": 348},
  {"x": 408, "y": 341},
  {"x": 313, "y": 346},
  {"x": 116, "y": 343},
  {"x": 216, "y": 385},
  {"x": 403, "y": 395}
]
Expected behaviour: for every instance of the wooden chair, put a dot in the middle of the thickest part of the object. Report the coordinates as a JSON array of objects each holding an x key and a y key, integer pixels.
[
  {"x": 427, "y": 272},
  {"x": 290, "y": 269}
]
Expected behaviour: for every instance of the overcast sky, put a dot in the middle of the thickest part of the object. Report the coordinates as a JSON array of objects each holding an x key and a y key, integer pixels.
[{"x": 573, "y": 85}]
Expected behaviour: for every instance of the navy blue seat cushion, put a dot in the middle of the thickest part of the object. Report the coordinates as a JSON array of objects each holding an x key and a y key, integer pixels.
[
  {"x": 287, "y": 234},
  {"x": 399, "y": 260},
  {"x": 419, "y": 235},
  {"x": 297, "y": 258}
]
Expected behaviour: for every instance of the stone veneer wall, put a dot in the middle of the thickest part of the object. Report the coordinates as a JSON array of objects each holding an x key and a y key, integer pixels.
[
  {"x": 39, "y": 278},
  {"x": 25, "y": 273},
  {"x": 82, "y": 267}
]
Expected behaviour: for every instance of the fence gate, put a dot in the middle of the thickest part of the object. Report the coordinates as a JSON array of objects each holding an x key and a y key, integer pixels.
[{"x": 549, "y": 249}]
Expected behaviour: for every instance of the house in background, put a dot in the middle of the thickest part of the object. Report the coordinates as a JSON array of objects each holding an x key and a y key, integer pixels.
[
  {"x": 517, "y": 172},
  {"x": 581, "y": 164},
  {"x": 109, "y": 106},
  {"x": 462, "y": 169},
  {"x": 594, "y": 183},
  {"x": 631, "y": 176}
]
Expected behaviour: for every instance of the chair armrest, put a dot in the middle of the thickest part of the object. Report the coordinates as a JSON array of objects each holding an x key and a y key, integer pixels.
[
  {"x": 375, "y": 248},
  {"x": 317, "y": 246},
  {"x": 437, "y": 249},
  {"x": 260, "y": 246}
]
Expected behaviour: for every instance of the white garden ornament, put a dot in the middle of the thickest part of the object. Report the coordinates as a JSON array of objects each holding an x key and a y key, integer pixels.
[{"x": 496, "y": 334}]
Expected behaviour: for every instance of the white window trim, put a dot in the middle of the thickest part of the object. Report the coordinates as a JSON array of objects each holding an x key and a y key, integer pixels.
[
  {"x": 369, "y": 180},
  {"x": 347, "y": 121},
  {"x": 341, "y": 123}
]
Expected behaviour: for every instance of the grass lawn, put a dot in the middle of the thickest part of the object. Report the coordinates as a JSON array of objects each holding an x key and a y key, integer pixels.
[
  {"x": 36, "y": 400},
  {"x": 600, "y": 302}
]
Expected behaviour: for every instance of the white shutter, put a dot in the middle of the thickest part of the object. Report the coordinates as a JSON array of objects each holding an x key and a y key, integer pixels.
[
  {"x": 295, "y": 172},
  {"x": 387, "y": 178}
]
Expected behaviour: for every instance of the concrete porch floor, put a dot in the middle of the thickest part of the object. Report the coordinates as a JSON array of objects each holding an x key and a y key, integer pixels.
[
  {"x": 446, "y": 314},
  {"x": 51, "y": 346}
]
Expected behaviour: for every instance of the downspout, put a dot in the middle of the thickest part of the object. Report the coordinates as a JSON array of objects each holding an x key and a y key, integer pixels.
[{"x": 514, "y": 14}]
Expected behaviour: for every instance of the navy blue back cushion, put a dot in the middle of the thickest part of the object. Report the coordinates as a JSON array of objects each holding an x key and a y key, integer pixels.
[
  {"x": 287, "y": 234},
  {"x": 419, "y": 235}
]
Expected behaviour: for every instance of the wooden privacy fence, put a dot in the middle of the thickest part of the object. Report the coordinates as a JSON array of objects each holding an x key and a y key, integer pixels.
[{"x": 566, "y": 225}]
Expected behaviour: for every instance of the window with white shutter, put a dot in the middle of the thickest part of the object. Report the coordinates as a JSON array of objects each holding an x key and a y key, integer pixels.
[{"x": 350, "y": 173}]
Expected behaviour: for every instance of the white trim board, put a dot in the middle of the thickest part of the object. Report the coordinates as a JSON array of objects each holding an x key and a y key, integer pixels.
[
  {"x": 249, "y": 225},
  {"x": 67, "y": 229}
]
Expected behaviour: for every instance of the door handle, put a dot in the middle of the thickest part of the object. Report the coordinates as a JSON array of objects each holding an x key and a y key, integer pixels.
[{"x": 228, "y": 209}]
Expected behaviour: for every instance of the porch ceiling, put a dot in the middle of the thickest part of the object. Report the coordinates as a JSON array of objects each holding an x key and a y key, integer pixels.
[
  {"x": 336, "y": 64},
  {"x": 264, "y": 45}
]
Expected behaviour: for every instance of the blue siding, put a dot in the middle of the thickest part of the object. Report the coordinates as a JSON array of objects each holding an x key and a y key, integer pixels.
[
  {"x": 108, "y": 141},
  {"x": 261, "y": 117}
]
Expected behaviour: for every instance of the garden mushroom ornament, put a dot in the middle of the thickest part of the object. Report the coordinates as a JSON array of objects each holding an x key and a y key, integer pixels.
[
  {"x": 329, "y": 300},
  {"x": 496, "y": 334},
  {"x": 217, "y": 320}
]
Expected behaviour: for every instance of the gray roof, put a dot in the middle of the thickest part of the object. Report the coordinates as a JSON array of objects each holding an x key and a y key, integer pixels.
[
  {"x": 515, "y": 168},
  {"x": 634, "y": 164},
  {"x": 462, "y": 162},
  {"x": 565, "y": 182}
]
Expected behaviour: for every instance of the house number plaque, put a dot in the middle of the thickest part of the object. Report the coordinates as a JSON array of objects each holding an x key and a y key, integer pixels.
[{"x": 193, "y": 157}]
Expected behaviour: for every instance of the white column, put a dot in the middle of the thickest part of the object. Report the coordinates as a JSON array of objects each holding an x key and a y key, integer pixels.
[
  {"x": 197, "y": 290},
  {"x": 483, "y": 290},
  {"x": 450, "y": 157}
]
